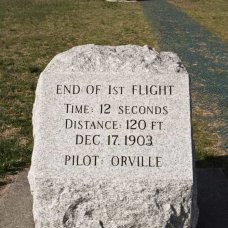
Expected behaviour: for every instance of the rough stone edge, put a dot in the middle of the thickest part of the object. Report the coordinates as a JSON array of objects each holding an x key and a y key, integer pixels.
[
  {"x": 130, "y": 58},
  {"x": 162, "y": 59},
  {"x": 60, "y": 183}
]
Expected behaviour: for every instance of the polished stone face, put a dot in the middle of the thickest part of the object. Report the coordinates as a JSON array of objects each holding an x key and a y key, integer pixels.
[{"x": 112, "y": 140}]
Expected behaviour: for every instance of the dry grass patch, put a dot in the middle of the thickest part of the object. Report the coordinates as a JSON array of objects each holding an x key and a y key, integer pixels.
[
  {"x": 31, "y": 33},
  {"x": 213, "y": 14}
]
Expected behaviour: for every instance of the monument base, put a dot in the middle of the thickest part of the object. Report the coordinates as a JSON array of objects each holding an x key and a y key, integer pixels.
[{"x": 105, "y": 203}]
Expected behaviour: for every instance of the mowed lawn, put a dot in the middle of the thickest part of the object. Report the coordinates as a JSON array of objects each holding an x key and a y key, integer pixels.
[
  {"x": 31, "y": 33},
  {"x": 212, "y": 14}
]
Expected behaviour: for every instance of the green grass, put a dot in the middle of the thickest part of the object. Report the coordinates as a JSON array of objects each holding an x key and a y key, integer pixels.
[
  {"x": 213, "y": 14},
  {"x": 31, "y": 33},
  {"x": 208, "y": 155},
  {"x": 208, "y": 152},
  {"x": 204, "y": 140}
]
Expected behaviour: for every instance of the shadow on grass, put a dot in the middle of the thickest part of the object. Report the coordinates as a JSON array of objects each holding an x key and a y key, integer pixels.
[
  {"x": 214, "y": 162},
  {"x": 212, "y": 195},
  {"x": 212, "y": 185}
]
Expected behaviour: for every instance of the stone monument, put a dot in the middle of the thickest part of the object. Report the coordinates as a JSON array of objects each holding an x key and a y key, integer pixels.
[{"x": 112, "y": 141}]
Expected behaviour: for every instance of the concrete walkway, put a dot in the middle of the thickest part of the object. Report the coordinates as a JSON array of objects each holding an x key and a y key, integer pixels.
[{"x": 16, "y": 204}]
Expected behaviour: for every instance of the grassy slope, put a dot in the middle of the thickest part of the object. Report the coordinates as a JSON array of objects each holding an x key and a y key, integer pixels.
[
  {"x": 31, "y": 33},
  {"x": 213, "y": 14}
]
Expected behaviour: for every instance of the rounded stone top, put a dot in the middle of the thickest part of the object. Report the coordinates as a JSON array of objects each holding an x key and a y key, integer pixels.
[{"x": 125, "y": 58}]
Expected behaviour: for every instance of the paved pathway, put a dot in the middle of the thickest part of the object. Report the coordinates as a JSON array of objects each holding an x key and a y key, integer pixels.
[
  {"x": 204, "y": 55},
  {"x": 16, "y": 204}
]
